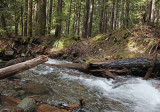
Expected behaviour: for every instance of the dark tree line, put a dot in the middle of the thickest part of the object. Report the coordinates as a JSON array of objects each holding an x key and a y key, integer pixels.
[{"x": 86, "y": 18}]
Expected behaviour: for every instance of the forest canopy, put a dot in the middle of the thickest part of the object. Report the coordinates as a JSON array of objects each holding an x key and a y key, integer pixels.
[{"x": 85, "y": 18}]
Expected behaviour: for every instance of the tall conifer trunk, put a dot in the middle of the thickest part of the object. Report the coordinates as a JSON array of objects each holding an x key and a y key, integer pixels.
[
  {"x": 29, "y": 20},
  {"x": 59, "y": 20},
  {"x": 41, "y": 18}
]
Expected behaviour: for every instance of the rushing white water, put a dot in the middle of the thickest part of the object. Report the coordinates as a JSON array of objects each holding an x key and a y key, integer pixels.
[
  {"x": 57, "y": 62},
  {"x": 136, "y": 94}
]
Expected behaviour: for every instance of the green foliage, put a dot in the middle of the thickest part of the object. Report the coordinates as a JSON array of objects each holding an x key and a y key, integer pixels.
[
  {"x": 65, "y": 41},
  {"x": 2, "y": 31},
  {"x": 92, "y": 60},
  {"x": 58, "y": 44}
]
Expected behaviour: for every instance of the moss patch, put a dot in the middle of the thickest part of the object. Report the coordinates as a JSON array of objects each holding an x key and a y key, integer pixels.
[
  {"x": 65, "y": 41},
  {"x": 92, "y": 60}
]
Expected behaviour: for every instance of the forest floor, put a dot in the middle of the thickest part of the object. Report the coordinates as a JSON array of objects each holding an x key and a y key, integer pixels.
[{"x": 140, "y": 41}]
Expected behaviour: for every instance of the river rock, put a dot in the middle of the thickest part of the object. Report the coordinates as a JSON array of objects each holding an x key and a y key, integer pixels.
[
  {"x": 35, "y": 88},
  {"x": 48, "y": 108},
  {"x": 10, "y": 93},
  {"x": 11, "y": 109},
  {"x": 27, "y": 104}
]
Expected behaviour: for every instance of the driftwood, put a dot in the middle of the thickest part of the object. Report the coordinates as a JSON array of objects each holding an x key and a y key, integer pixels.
[
  {"x": 9, "y": 100},
  {"x": 20, "y": 67},
  {"x": 133, "y": 66}
]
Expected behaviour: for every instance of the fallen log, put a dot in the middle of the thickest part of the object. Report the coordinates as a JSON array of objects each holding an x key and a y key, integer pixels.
[
  {"x": 9, "y": 100},
  {"x": 20, "y": 67},
  {"x": 134, "y": 66},
  {"x": 76, "y": 66},
  {"x": 48, "y": 108}
]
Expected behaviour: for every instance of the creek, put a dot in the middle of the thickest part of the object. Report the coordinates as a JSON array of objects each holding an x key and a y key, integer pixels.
[{"x": 67, "y": 86}]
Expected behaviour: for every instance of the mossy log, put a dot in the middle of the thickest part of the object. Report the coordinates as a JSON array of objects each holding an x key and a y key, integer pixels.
[
  {"x": 133, "y": 66},
  {"x": 20, "y": 67}
]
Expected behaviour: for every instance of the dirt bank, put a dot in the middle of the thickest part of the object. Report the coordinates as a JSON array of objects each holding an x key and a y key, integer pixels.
[{"x": 140, "y": 41}]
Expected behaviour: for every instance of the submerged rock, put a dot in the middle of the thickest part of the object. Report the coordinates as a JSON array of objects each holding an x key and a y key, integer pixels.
[
  {"x": 11, "y": 109},
  {"x": 35, "y": 88}
]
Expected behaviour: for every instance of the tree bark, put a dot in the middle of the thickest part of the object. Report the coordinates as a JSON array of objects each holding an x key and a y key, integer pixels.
[
  {"x": 22, "y": 20},
  {"x": 101, "y": 17},
  {"x": 152, "y": 11},
  {"x": 20, "y": 67},
  {"x": 16, "y": 18},
  {"x": 41, "y": 18},
  {"x": 69, "y": 15},
  {"x": 79, "y": 18},
  {"x": 85, "y": 21},
  {"x": 26, "y": 16},
  {"x": 90, "y": 19},
  {"x": 59, "y": 20},
  {"x": 29, "y": 20},
  {"x": 133, "y": 66},
  {"x": 113, "y": 14},
  {"x": 50, "y": 16},
  {"x": 2, "y": 18},
  {"x": 124, "y": 14}
]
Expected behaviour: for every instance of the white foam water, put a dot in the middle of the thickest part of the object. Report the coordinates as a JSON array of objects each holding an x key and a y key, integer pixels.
[
  {"x": 136, "y": 94},
  {"x": 57, "y": 62},
  {"x": 139, "y": 95}
]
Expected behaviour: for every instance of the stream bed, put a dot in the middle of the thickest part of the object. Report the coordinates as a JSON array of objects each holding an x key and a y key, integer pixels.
[{"x": 101, "y": 95}]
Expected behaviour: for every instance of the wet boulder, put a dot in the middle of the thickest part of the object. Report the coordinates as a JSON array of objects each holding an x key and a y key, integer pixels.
[{"x": 27, "y": 104}]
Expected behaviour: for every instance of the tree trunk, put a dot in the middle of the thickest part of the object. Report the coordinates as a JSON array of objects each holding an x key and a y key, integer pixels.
[
  {"x": 41, "y": 18},
  {"x": 16, "y": 19},
  {"x": 105, "y": 23},
  {"x": 85, "y": 21},
  {"x": 79, "y": 18},
  {"x": 69, "y": 17},
  {"x": 59, "y": 20},
  {"x": 152, "y": 11},
  {"x": 74, "y": 18},
  {"x": 101, "y": 17},
  {"x": 3, "y": 22},
  {"x": 2, "y": 18},
  {"x": 20, "y": 67},
  {"x": 90, "y": 19},
  {"x": 133, "y": 66},
  {"x": 146, "y": 17},
  {"x": 113, "y": 14},
  {"x": 116, "y": 15},
  {"x": 50, "y": 16},
  {"x": 127, "y": 14},
  {"x": 29, "y": 20},
  {"x": 124, "y": 14},
  {"x": 26, "y": 16},
  {"x": 22, "y": 19}
]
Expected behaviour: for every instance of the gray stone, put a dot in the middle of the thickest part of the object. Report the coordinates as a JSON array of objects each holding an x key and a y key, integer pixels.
[{"x": 27, "y": 104}]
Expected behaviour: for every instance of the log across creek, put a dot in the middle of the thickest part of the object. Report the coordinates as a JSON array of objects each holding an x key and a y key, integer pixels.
[
  {"x": 20, "y": 67},
  {"x": 108, "y": 69},
  {"x": 133, "y": 66}
]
